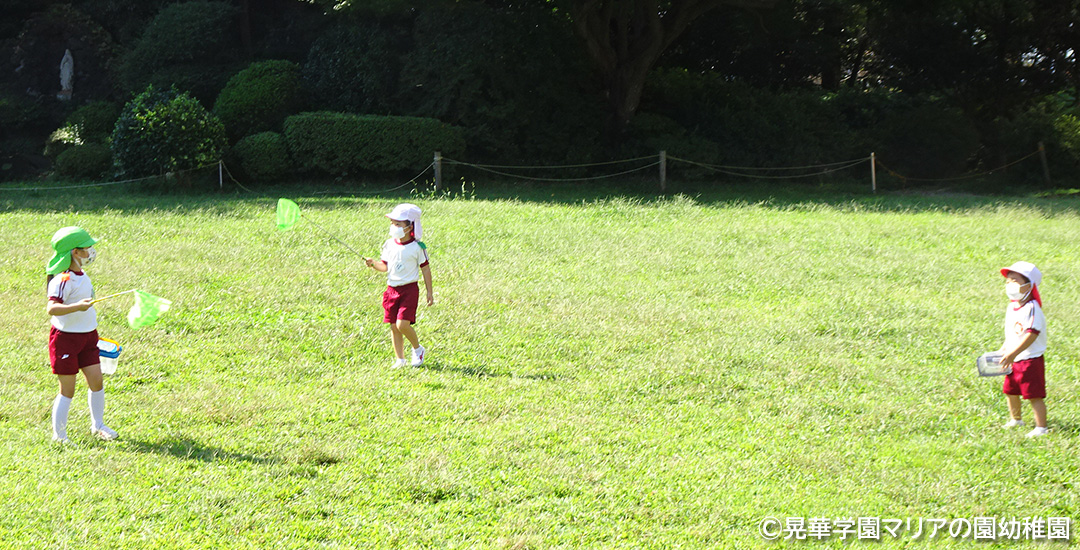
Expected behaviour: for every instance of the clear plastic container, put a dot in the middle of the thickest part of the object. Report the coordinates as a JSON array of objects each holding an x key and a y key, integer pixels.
[
  {"x": 108, "y": 355},
  {"x": 989, "y": 364}
]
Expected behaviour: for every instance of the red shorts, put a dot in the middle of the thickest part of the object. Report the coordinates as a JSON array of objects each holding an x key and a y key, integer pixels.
[
  {"x": 71, "y": 351},
  {"x": 400, "y": 302},
  {"x": 1028, "y": 379}
]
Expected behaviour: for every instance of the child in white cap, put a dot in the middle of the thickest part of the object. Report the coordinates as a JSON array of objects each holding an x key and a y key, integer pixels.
[
  {"x": 1025, "y": 343},
  {"x": 404, "y": 258},
  {"x": 73, "y": 337}
]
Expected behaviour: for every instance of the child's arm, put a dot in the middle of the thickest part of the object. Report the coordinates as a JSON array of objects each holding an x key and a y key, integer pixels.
[
  {"x": 1025, "y": 343},
  {"x": 56, "y": 308},
  {"x": 426, "y": 271},
  {"x": 377, "y": 265}
]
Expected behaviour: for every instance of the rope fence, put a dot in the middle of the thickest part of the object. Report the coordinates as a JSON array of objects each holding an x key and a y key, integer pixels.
[{"x": 637, "y": 164}]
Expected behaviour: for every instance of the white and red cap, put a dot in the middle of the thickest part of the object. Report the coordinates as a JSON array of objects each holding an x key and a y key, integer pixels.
[
  {"x": 406, "y": 212},
  {"x": 1032, "y": 273},
  {"x": 1027, "y": 269}
]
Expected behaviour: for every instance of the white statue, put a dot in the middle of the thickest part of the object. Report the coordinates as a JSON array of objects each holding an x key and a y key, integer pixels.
[{"x": 67, "y": 72}]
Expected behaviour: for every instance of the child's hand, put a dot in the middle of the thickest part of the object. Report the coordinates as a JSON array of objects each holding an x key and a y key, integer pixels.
[
  {"x": 83, "y": 305},
  {"x": 369, "y": 261},
  {"x": 430, "y": 299}
]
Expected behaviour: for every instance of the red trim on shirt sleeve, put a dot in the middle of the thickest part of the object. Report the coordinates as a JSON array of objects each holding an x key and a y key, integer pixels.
[
  {"x": 56, "y": 299},
  {"x": 1035, "y": 330},
  {"x": 423, "y": 264}
]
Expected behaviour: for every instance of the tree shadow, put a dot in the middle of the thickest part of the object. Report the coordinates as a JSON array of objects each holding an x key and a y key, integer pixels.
[
  {"x": 190, "y": 449},
  {"x": 314, "y": 196}
]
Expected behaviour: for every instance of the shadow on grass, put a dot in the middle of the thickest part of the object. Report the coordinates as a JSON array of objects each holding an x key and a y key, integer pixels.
[
  {"x": 483, "y": 371},
  {"x": 189, "y": 449},
  {"x": 854, "y": 194},
  {"x": 1067, "y": 427}
]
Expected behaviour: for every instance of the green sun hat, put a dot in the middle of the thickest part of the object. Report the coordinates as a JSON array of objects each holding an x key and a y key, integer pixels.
[{"x": 63, "y": 242}]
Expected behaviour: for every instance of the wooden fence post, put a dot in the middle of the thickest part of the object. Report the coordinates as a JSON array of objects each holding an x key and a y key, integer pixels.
[
  {"x": 438, "y": 171},
  {"x": 663, "y": 172},
  {"x": 873, "y": 172}
]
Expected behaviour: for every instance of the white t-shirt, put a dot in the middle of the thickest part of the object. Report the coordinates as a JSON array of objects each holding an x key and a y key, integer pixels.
[
  {"x": 1021, "y": 320},
  {"x": 67, "y": 288},
  {"x": 403, "y": 261}
]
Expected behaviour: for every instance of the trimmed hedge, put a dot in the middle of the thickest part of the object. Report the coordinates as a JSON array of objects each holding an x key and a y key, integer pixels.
[
  {"x": 258, "y": 98},
  {"x": 263, "y": 156},
  {"x": 84, "y": 162},
  {"x": 341, "y": 143}
]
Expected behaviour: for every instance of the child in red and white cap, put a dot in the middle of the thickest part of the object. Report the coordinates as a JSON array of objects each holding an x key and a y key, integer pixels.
[
  {"x": 1025, "y": 343},
  {"x": 404, "y": 258}
]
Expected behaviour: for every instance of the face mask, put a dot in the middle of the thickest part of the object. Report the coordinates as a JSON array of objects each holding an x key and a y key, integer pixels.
[
  {"x": 397, "y": 232},
  {"x": 1012, "y": 290},
  {"x": 90, "y": 255}
]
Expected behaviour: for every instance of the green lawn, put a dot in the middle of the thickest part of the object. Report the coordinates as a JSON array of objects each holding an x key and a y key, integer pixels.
[{"x": 602, "y": 373}]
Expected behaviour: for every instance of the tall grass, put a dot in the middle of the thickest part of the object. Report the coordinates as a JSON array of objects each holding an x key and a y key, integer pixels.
[{"x": 609, "y": 372}]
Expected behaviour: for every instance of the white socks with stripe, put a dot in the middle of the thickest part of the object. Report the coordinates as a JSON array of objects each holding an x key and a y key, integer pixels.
[
  {"x": 97, "y": 408},
  {"x": 60, "y": 408}
]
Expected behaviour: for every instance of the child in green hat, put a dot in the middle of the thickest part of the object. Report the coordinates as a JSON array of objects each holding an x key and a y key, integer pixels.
[{"x": 73, "y": 336}]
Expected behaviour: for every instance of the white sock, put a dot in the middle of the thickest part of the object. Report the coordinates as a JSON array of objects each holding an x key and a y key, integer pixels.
[
  {"x": 97, "y": 408},
  {"x": 60, "y": 408}
]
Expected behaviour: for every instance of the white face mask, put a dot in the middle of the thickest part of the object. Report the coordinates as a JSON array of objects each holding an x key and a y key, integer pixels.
[
  {"x": 1012, "y": 290},
  {"x": 90, "y": 255},
  {"x": 397, "y": 232}
]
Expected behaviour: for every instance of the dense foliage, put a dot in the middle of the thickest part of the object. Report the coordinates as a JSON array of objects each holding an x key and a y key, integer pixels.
[
  {"x": 258, "y": 98},
  {"x": 936, "y": 89},
  {"x": 163, "y": 131},
  {"x": 342, "y": 144},
  {"x": 263, "y": 157},
  {"x": 189, "y": 45},
  {"x": 355, "y": 68},
  {"x": 88, "y": 161}
]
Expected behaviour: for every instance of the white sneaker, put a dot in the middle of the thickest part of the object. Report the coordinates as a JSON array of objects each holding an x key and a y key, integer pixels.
[
  {"x": 418, "y": 356},
  {"x": 1013, "y": 423},
  {"x": 1037, "y": 432},
  {"x": 104, "y": 433},
  {"x": 398, "y": 363},
  {"x": 61, "y": 440}
]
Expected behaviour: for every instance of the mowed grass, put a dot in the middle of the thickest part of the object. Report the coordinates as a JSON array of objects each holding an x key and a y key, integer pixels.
[{"x": 602, "y": 373}]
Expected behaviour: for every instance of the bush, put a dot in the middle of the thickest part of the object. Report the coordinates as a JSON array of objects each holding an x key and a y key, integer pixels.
[
  {"x": 165, "y": 131},
  {"x": 651, "y": 133},
  {"x": 340, "y": 143},
  {"x": 354, "y": 69},
  {"x": 753, "y": 127},
  {"x": 519, "y": 86},
  {"x": 926, "y": 141},
  {"x": 1052, "y": 121},
  {"x": 90, "y": 161},
  {"x": 259, "y": 98},
  {"x": 94, "y": 122},
  {"x": 263, "y": 156},
  {"x": 189, "y": 45}
]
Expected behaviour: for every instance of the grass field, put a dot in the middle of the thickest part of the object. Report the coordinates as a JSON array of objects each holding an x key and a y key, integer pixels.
[{"x": 603, "y": 372}]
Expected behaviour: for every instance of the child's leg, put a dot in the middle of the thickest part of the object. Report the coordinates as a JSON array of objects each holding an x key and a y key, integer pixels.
[
  {"x": 62, "y": 405},
  {"x": 1014, "y": 406},
  {"x": 398, "y": 341},
  {"x": 405, "y": 328},
  {"x": 95, "y": 396},
  {"x": 1038, "y": 407}
]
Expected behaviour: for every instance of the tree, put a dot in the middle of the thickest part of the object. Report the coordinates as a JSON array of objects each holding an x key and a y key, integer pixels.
[{"x": 625, "y": 38}]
